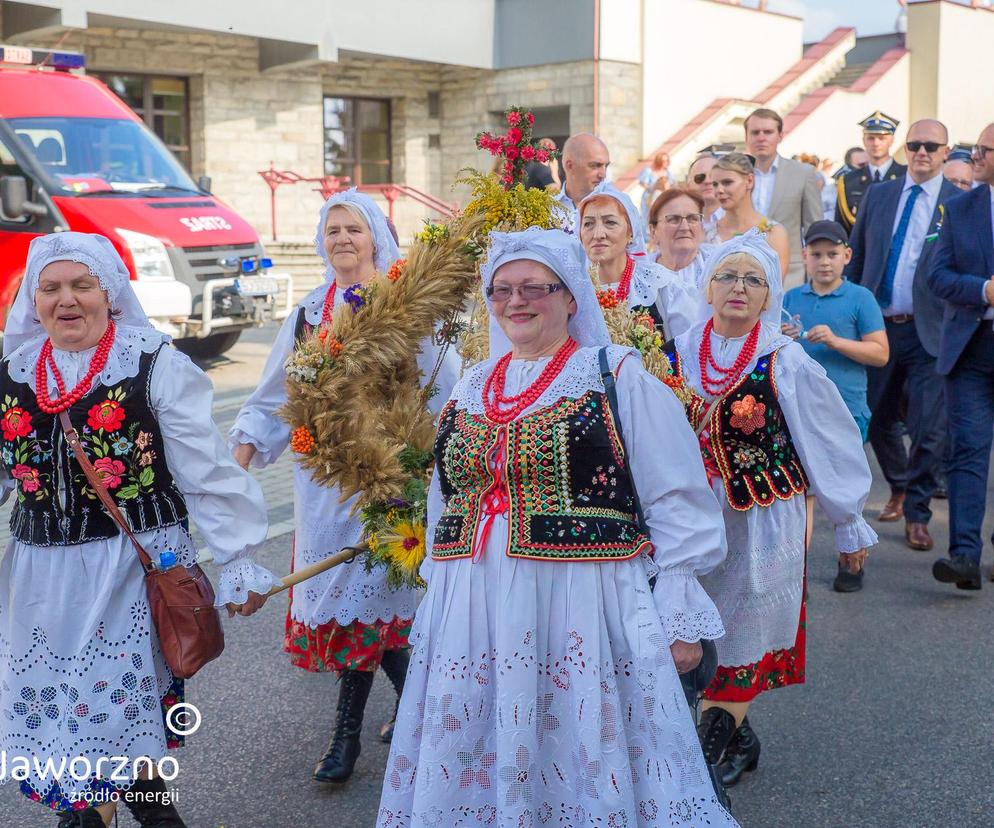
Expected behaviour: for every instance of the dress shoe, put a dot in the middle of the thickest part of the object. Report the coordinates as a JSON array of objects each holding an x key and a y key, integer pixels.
[
  {"x": 916, "y": 536},
  {"x": 846, "y": 581},
  {"x": 715, "y": 730},
  {"x": 741, "y": 755},
  {"x": 893, "y": 508},
  {"x": 960, "y": 570}
]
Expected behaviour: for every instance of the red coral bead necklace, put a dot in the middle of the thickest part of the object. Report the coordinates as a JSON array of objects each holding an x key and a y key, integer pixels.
[
  {"x": 329, "y": 303},
  {"x": 727, "y": 377},
  {"x": 67, "y": 400},
  {"x": 612, "y": 297},
  {"x": 502, "y": 409}
]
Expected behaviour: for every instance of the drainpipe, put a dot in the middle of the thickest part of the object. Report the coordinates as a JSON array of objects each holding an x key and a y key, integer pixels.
[{"x": 597, "y": 68}]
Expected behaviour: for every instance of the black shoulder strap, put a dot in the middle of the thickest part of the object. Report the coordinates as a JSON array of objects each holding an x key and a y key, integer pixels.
[{"x": 612, "y": 399}]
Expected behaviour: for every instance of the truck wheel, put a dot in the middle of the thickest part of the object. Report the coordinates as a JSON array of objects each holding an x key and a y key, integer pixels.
[{"x": 210, "y": 346}]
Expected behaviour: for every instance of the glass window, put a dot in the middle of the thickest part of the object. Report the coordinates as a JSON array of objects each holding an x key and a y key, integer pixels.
[
  {"x": 357, "y": 139},
  {"x": 162, "y": 103}
]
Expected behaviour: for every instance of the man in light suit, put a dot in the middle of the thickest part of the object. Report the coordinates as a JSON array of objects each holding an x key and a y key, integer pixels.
[
  {"x": 893, "y": 241},
  {"x": 962, "y": 273},
  {"x": 785, "y": 190}
]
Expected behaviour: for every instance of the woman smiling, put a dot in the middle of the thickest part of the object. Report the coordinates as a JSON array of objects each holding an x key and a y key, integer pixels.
[
  {"x": 765, "y": 413},
  {"x": 82, "y": 676},
  {"x": 538, "y": 607}
]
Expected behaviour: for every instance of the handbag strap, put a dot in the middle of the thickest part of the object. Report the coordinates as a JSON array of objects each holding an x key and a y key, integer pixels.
[
  {"x": 707, "y": 414},
  {"x": 612, "y": 398},
  {"x": 96, "y": 481}
]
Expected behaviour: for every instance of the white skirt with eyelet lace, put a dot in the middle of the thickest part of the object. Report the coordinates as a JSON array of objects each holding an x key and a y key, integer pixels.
[{"x": 543, "y": 693}]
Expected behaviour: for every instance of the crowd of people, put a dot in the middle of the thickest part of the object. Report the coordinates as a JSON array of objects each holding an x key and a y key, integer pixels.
[{"x": 616, "y": 563}]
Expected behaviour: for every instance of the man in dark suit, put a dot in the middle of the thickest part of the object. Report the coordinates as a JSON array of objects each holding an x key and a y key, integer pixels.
[
  {"x": 892, "y": 245},
  {"x": 878, "y": 138},
  {"x": 962, "y": 273}
]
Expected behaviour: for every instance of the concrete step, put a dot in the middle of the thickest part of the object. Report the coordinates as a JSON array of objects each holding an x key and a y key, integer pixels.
[{"x": 848, "y": 75}]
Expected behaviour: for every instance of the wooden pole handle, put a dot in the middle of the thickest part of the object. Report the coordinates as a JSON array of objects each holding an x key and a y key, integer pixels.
[{"x": 345, "y": 555}]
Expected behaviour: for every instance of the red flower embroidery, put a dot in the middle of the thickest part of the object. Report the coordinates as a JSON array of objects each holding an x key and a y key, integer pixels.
[
  {"x": 16, "y": 423},
  {"x": 107, "y": 415},
  {"x": 30, "y": 480},
  {"x": 110, "y": 471},
  {"x": 747, "y": 414}
]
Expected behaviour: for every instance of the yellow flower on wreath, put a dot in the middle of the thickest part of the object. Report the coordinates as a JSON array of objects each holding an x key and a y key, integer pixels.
[{"x": 405, "y": 548}]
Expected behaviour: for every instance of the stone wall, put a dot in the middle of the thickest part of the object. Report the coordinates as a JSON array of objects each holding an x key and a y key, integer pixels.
[{"x": 242, "y": 119}]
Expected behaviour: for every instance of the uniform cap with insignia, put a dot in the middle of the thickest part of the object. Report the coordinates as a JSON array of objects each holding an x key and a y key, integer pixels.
[{"x": 880, "y": 124}]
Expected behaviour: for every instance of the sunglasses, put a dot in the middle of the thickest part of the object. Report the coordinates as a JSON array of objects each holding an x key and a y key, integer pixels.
[
  {"x": 980, "y": 151},
  {"x": 930, "y": 146}
]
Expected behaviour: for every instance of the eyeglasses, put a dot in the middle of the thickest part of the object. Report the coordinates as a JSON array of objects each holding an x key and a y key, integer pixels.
[
  {"x": 531, "y": 293},
  {"x": 979, "y": 151},
  {"x": 727, "y": 280},
  {"x": 930, "y": 146},
  {"x": 675, "y": 219},
  {"x": 700, "y": 178}
]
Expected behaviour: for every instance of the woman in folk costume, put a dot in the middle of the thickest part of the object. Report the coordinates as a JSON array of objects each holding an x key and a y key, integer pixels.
[
  {"x": 610, "y": 230},
  {"x": 82, "y": 676},
  {"x": 773, "y": 427},
  {"x": 543, "y": 685},
  {"x": 346, "y": 620}
]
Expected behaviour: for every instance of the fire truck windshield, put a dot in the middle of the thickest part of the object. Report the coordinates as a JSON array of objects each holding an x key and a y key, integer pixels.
[{"x": 101, "y": 156}]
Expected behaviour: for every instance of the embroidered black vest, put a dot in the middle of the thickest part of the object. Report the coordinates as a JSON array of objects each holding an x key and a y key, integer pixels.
[
  {"x": 55, "y": 504},
  {"x": 748, "y": 441},
  {"x": 565, "y": 478},
  {"x": 301, "y": 328}
]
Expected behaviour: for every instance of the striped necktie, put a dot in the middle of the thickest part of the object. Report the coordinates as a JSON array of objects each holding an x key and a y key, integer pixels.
[
  {"x": 876, "y": 176},
  {"x": 886, "y": 290}
]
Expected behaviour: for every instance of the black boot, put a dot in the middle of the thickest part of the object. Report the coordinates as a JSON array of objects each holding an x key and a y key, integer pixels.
[
  {"x": 394, "y": 664},
  {"x": 741, "y": 755},
  {"x": 339, "y": 761},
  {"x": 150, "y": 804},
  {"x": 715, "y": 730},
  {"x": 87, "y": 818}
]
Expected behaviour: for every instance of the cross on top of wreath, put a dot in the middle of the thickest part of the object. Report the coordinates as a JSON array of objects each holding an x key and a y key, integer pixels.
[{"x": 515, "y": 146}]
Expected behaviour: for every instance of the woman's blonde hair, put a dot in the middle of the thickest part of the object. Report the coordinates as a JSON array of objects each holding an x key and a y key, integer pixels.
[
  {"x": 736, "y": 162},
  {"x": 741, "y": 258}
]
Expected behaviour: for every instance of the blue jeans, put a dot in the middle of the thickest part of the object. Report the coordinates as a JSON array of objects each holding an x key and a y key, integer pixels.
[{"x": 970, "y": 408}]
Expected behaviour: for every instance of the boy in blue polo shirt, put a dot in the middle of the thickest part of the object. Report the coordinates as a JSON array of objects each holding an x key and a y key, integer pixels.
[{"x": 840, "y": 326}]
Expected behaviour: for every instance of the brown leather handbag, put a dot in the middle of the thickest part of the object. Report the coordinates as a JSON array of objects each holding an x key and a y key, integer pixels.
[{"x": 180, "y": 598}]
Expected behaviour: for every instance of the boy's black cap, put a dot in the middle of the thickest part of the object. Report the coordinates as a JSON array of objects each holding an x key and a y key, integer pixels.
[{"x": 829, "y": 230}]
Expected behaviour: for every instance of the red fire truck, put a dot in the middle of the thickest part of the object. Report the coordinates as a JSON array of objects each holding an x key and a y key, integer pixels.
[{"x": 73, "y": 156}]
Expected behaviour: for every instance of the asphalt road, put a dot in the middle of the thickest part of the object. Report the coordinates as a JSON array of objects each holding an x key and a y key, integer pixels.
[{"x": 893, "y": 728}]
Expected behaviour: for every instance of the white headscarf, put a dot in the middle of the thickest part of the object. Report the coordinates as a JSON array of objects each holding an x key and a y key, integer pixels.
[
  {"x": 754, "y": 244},
  {"x": 101, "y": 259},
  {"x": 606, "y": 189},
  {"x": 560, "y": 252},
  {"x": 385, "y": 249}
]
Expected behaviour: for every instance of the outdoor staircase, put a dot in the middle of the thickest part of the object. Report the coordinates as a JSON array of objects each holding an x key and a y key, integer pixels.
[
  {"x": 298, "y": 259},
  {"x": 848, "y": 75}
]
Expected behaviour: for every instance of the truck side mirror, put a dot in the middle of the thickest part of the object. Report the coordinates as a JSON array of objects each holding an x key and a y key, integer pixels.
[
  {"x": 204, "y": 183},
  {"x": 14, "y": 198}
]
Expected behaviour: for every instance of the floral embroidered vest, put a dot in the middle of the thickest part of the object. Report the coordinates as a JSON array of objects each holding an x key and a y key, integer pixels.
[
  {"x": 55, "y": 504},
  {"x": 563, "y": 482},
  {"x": 747, "y": 441}
]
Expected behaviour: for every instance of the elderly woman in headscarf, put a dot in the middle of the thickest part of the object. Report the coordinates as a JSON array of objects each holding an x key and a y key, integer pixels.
[
  {"x": 772, "y": 427},
  {"x": 346, "y": 620},
  {"x": 543, "y": 681},
  {"x": 82, "y": 676},
  {"x": 610, "y": 230}
]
